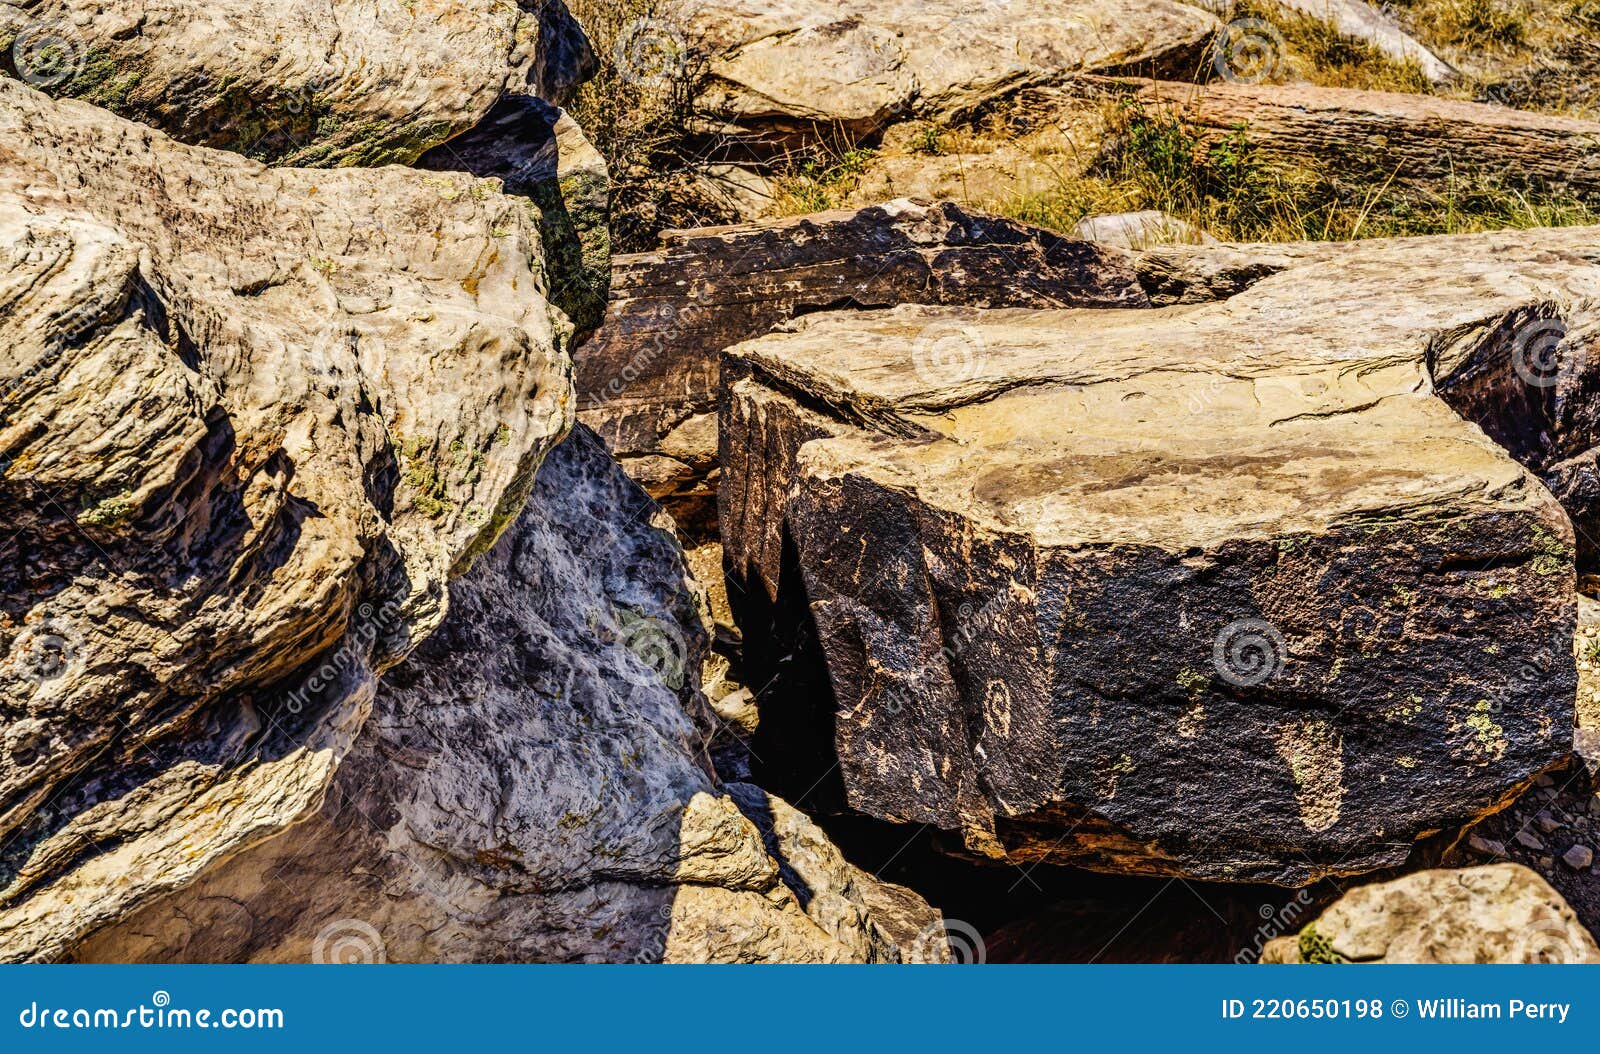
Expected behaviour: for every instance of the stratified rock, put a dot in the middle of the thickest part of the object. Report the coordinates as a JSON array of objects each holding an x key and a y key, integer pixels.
[
  {"x": 1416, "y": 141},
  {"x": 780, "y": 68},
  {"x": 1141, "y": 230},
  {"x": 254, "y": 419},
  {"x": 329, "y": 82},
  {"x": 539, "y": 152},
  {"x": 647, "y": 382},
  {"x": 1226, "y": 591},
  {"x": 532, "y": 786},
  {"x": 1502, "y": 913}
]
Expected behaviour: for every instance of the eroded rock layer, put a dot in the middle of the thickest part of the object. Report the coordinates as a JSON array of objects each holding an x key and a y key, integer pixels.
[
  {"x": 329, "y": 82},
  {"x": 532, "y": 786},
  {"x": 1226, "y": 591},
  {"x": 647, "y": 382},
  {"x": 254, "y": 420},
  {"x": 781, "y": 68}
]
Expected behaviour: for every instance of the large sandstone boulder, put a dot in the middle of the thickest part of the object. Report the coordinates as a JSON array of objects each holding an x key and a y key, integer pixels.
[
  {"x": 778, "y": 68},
  {"x": 647, "y": 382},
  {"x": 1230, "y": 591},
  {"x": 1502, "y": 913},
  {"x": 532, "y": 785},
  {"x": 254, "y": 420},
  {"x": 538, "y": 151},
  {"x": 329, "y": 82}
]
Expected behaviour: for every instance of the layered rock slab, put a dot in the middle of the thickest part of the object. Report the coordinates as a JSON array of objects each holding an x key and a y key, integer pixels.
[
  {"x": 647, "y": 381},
  {"x": 1225, "y": 592},
  {"x": 782, "y": 69},
  {"x": 254, "y": 420},
  {"x": 1500, "y": 913},
  {"x": 1419, "y": 142},
  {"x": 334, "y": 82},
  {"x": 533, "y": 786}
]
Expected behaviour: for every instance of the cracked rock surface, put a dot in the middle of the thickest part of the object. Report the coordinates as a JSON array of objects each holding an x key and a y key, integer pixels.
[
  {"x": 1234, "y": 591},
  {"x": 532, "y": 785},
  {"x": 254, "y": 420}
]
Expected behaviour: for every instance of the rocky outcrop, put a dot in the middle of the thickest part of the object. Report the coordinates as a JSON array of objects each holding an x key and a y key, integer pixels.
[
  {"x": 647, "y": 382},
  {"x": 539, "y": 152},
  {"x": 336, "y": 82},
  {"x": 254, "y": 420},
  {"x": 1416, "y": 141},
  {"x": 1227, "y": 591},
  {"x": 532, "y": 786},
  {"x": 779, "y": 70},
  {"x": 1502, "y": 913}
]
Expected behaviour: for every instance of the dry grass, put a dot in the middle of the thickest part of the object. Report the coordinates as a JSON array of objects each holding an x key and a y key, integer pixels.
[{"x": 1224, "y": 185}]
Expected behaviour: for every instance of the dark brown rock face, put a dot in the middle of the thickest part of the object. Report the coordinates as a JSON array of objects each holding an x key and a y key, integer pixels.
[
  {"x": 1227, "y": 592},
  {"x": 647, "y": 382}
]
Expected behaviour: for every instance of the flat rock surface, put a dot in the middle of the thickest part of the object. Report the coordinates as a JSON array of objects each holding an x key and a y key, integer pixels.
[
  {"x": 1102, "y": 587},
  {"x": 254, "y": 420},
  {"x": 862, "y": 64}
]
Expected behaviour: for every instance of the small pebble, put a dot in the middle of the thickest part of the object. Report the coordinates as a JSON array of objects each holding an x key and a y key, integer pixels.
[
  {"x": 1547, "y": 823},
  {"x": 1579, "y": 857},
  {"x": 1487, "y": 846},
  {"x": 1529, "y": 840}
]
